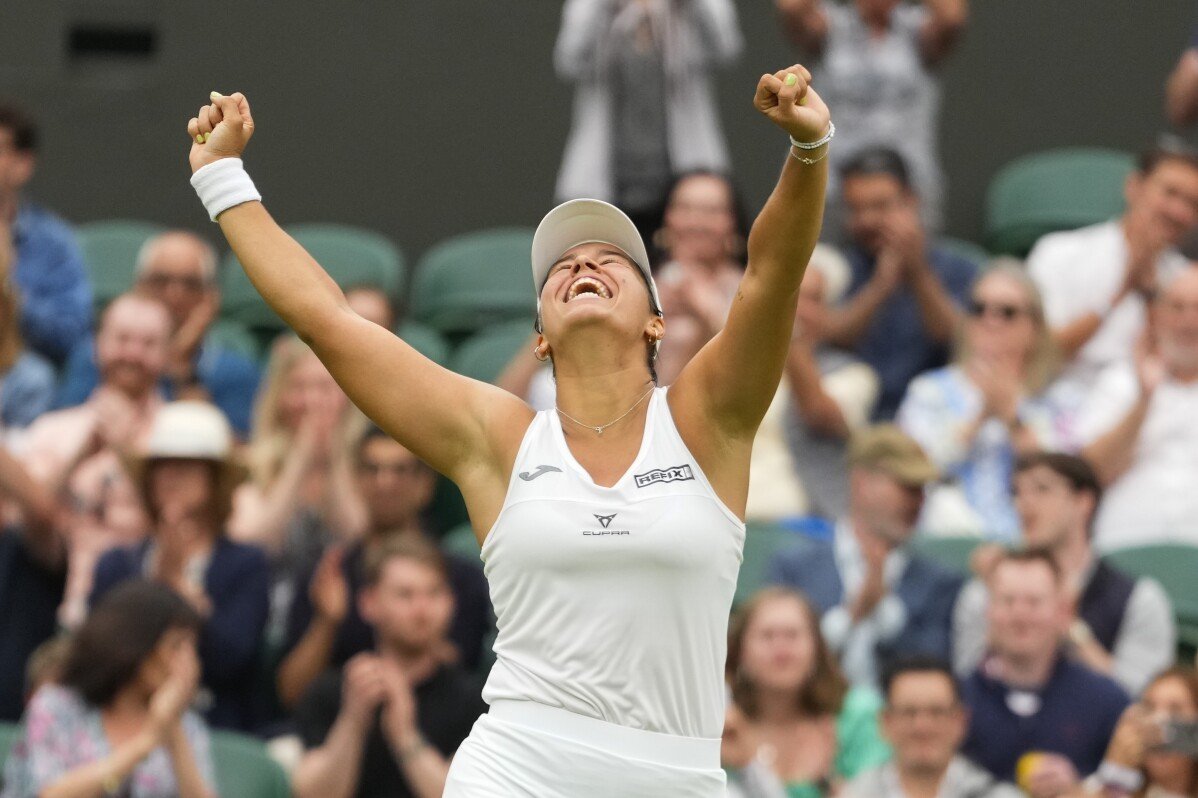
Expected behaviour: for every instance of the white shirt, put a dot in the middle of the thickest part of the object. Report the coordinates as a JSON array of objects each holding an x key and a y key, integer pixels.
[
  {"x": 1080, "y": 272},
  {"x": 1156, "y": 499},
  {"x": 613, "y": 602}
]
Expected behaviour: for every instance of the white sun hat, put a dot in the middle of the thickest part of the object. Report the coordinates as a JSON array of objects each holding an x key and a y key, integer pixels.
[
  {"x": 189, "y": 430},
  {"x": 587, "y": 221}
]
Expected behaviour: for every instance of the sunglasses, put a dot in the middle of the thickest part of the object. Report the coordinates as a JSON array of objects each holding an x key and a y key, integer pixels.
[{"x": 978, "y": 309}]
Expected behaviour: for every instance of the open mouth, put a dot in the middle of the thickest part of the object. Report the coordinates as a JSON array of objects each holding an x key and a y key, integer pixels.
[{"x": 587, "y": 287}]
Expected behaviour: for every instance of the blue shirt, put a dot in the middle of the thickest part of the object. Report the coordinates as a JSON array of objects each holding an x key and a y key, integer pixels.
[
  {"x": 230, "y": 378},
  {"x": 895, "y": 343},
  {"x": 26, "y": 391},
  {"x": 56, "y": 295},
  {"x": 1073, "y": 714}
]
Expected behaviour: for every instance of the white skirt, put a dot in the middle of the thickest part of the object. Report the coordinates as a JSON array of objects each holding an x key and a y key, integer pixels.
[{"x": 521, "y": 748}]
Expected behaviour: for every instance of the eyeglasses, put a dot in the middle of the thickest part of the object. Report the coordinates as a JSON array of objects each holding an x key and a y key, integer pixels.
[
  {"x": 911, "y": 713},
  {"x": 978, "y": 308},
  {"x": 374, "y": 470},
  {"x": 161, "y": 281}
]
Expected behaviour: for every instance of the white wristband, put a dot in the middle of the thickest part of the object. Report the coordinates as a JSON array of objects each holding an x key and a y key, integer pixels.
[{"x": 223, "y": 184}]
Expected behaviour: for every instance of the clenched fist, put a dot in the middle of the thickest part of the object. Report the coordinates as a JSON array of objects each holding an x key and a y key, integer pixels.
[
  {"x": 220, "y": 130},
  {"x": 786, "y": 97}
]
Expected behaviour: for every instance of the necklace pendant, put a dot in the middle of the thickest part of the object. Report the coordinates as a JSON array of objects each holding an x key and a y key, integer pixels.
[{"x": 598, "y": 430}]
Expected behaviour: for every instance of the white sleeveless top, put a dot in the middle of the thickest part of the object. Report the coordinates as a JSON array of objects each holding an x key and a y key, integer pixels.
[{"x": 613, "y": 602}]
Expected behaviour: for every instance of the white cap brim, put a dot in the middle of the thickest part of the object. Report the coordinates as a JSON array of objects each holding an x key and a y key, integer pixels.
[{"x": 585, "y": 221}]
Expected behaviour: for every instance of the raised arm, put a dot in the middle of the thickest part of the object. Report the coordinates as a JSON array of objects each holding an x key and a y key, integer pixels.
[
  {"x": 1181, "y": 92},
  {"x": 730, "y": 383},
  {"x": 442, "y": 417},
  {"x": 945, "y": 21}
]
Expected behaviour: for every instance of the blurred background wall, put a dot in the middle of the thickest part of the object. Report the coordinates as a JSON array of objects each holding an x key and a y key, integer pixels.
[{"x": 423, "y": 119}]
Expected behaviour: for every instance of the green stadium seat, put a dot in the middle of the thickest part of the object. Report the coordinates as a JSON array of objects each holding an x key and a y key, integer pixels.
[
  {"x": 484, "y": 355},
  {"x": 425, "y": 340},
  {"x": 1057, "y": 190},
  {"x": 475, "y": 280},
  {"x": 234, "y": 335},
  {"x": 951, "y": 552},
  {"x": 1175, "y": 566},
  {"x": 352, "y": 256},
  {"x": 762, "y": 540},
  {"x": 461, "y": 541},
  {"x": 244, "y": 769},
  {"x": 110, "y": 250},
  {"x": 9, "y": 734}
]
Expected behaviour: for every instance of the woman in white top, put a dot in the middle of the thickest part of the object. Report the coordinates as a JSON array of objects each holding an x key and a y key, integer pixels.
[{"x": 610, "y": 528}]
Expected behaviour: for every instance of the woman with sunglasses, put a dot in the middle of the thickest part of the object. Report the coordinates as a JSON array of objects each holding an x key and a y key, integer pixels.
[
  {"x": 612, "y": 526},
  {"x": 975, "y": 416}
]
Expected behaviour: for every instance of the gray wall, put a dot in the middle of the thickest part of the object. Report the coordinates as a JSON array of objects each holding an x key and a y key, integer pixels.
[{"x": 423, "y": 119}]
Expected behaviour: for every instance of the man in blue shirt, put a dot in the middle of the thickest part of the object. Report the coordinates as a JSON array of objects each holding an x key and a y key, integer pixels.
[
  {"x": 179, "y": 269},
  {"x": 1027, "y": 697},
  {"x": 56, "y": 297},
  {"x": 903, "y": 304}
]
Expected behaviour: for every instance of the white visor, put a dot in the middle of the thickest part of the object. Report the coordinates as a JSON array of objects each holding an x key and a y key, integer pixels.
[{"x": 585, "y": 221}]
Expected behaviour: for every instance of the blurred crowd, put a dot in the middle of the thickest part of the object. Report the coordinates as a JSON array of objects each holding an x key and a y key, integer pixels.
[{"x": 197, "y": 542}]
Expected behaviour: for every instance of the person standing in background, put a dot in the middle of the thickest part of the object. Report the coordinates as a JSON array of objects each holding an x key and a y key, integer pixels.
[
  {"x": 56, "y": 297},
  {"x": 878, "y": 60},
  {"x": 644, "y": 109}
]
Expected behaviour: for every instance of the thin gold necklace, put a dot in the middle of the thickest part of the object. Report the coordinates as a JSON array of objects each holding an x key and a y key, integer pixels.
[{"x": 599, "y": 429}]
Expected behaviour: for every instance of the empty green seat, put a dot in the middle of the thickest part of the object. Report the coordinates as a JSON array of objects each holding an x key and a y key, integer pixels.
[
  {"x": 951, "y": 552},
  {"x": 110, "y": 250},
  {"x": 244, "y": 769},
  {"x": 762, "y": 541},
  {"x": 484, "y": 355},
  {"x": 425, "y": 340},
  {"x": 9, "y": 734},
  {"x": 1175, "y": 566},
  {"x": 352, "y": 257},
  {"x": 462, "y": 541},
  {"x": 1057, "y": 190},
  {"x": 475, "y": 280}
]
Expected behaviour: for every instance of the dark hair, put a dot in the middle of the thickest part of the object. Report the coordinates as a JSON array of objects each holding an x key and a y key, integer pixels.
[
  {"x": 404, "y": 548},
  {"x": 1189, "y": 678},
  {"x": 1166, "y": 148},
  {"x": 24, "y": 129},
  {"x": 877, "y": 161},
  {"x": 370, "y": 433},
  {"x": 824, "y": 692},
  {"x": 121, "y": 632},
  {"x": 740, "y": 216},
  {"x": 1029, "y": 556},
  {"x": 918, "y": 663},
  {"x": 1074, "y": 470}
]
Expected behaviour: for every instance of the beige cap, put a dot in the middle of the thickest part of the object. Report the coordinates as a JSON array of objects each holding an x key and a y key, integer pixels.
[{"x": 887, "y": 448}]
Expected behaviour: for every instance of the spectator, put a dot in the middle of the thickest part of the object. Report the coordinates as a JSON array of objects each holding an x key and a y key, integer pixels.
[
  {"x": 1027, "y": 697},
  {"x": 301, "y": 497},
  {"x": 1181, "y": 90},
  {"x": 82, "y": 447},
  {"x": 32, "y": 580},
  {"x": 388, "y": 724},
  {"x": 179, "y": 270},
  {"x": 55, "y": 295},
  {"x": 1096, "y": 282},
  {"x": 976, "y": 416},
  {"x": 1141, "y": 749},
  {"x": 904, "y": 300},
  {"x": 1140, "y": 433},
  {"x": 47, "y": 664},
  {"x": 1121, "y": 626},
  {"x": 119, "y": 723},
  {"x": 644, "y": 107},
  {"x": 807, "y": 729},
  {"x": 877, "y": 66},
  {"x": 798, "y": 461},
  {"x": 187, "y": 477},
  {"x": 325, "y": 626},
  {"x": 877, "y": 598},
  {"x": 925, "y": 724},
  {"x": 372, "y": 304},
  {"x": 26, "y": 379}
]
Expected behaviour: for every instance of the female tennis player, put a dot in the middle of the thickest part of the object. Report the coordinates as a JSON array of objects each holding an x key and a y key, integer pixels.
[{"x": 611, "y": 526}]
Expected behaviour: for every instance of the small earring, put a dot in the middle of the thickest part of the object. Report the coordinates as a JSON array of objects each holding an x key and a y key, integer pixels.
[{"x": 539, "y": 354}]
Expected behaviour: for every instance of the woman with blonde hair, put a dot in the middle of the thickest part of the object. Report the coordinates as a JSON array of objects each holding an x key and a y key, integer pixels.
[
  {"x": 301, "y": 496},
  {"x": 977, "y": 415},
  {"x": 794, "y": 719}
]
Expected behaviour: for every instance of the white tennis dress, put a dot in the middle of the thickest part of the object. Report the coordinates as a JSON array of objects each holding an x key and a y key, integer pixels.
[{"x": 612, "y": 608}]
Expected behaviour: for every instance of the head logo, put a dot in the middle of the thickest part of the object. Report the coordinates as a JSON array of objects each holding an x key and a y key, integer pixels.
[{"x": 605, "y": 520}]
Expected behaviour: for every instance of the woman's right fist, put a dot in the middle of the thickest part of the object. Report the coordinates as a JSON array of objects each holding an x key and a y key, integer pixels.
[{"x": 220, "y": 130}]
